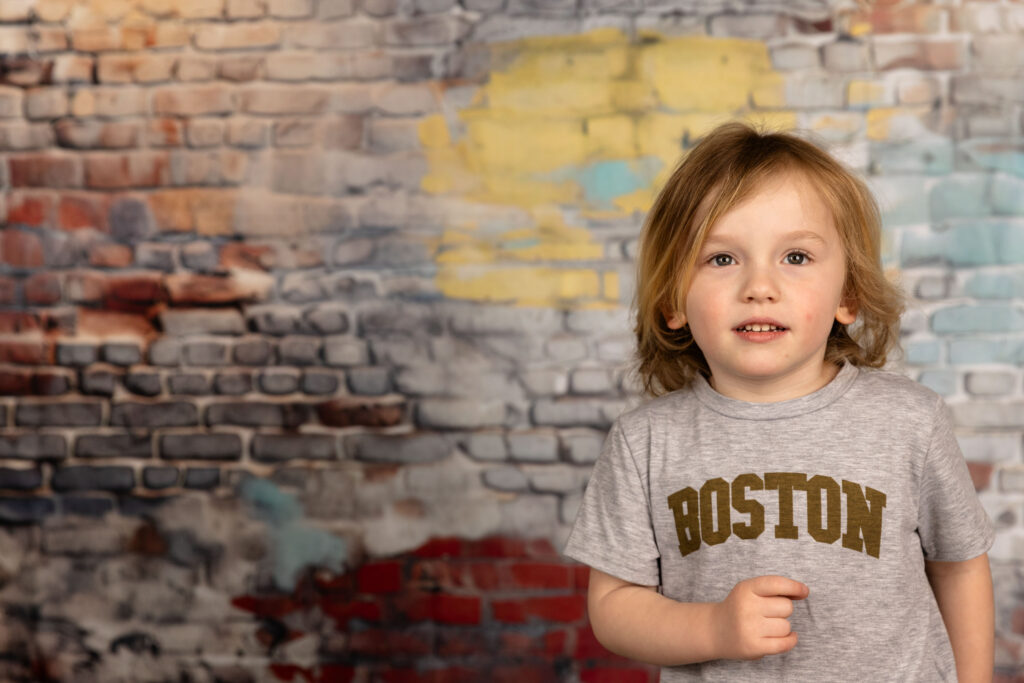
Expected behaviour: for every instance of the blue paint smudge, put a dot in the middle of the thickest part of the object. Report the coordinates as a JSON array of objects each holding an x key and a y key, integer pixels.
[
  {"x": 996, "y": 155},
  {"x": 294, "y": 545},
  {"x": 603, "y": 181}
]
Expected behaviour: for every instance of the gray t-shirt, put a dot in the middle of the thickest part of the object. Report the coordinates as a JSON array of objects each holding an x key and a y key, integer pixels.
[{"x": 848, "y": 489}]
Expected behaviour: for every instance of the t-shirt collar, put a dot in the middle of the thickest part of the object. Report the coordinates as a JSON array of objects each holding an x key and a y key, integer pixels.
[{"x": 747, "y": 410}]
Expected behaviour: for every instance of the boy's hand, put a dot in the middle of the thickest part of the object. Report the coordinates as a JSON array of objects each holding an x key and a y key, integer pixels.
[{"x": 752, "y": 621}]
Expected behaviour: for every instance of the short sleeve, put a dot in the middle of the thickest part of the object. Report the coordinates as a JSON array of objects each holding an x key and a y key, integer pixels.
[
  {"x": 613, "y": 532},
  {"x": 952, "y": 523}
]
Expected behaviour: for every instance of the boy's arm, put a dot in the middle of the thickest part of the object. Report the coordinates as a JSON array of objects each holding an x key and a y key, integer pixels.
[
  {"x": 637, "y": 622},
  {"x": 964, "y": 593}
]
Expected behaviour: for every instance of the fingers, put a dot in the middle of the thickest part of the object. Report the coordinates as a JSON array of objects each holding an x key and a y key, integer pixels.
[
  {"x": 777, "y": 607},
  {"x": 771, "y": 586},
  {"x": 776, "y": 646}
]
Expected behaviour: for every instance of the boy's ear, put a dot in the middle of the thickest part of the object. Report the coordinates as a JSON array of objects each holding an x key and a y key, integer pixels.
[
  {"x": 675, "y": 320},
  {"x": 847, "y": 311}
]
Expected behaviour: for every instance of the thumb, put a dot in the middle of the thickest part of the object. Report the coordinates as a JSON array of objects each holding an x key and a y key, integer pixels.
[{"x": 772, "y": 586}]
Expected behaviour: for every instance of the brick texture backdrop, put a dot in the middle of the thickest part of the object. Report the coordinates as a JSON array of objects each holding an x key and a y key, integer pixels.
[{"x": 313, "y": 313}]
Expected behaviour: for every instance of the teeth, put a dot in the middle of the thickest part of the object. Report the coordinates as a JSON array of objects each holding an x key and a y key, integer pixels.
[{"x": 760, "y": 328}]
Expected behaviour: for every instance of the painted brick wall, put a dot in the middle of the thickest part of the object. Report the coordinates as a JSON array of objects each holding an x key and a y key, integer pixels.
[{"x": 313, "y": 313}]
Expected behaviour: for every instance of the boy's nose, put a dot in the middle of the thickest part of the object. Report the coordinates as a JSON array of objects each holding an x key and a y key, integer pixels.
[{"x": 760, "y": 287}]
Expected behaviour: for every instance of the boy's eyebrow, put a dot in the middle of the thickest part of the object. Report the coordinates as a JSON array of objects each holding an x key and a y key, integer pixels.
[{"x": 796, "y": 235}]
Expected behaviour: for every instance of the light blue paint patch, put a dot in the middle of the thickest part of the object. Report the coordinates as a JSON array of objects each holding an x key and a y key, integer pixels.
[
  {"x": 929, "y": 157},
  {"x": 923, "y": 352},
  {"x": 978, "y": 318},
  {"x": 294, "y": 544},
  {"x": 995, "y": 286},
  {"x": 975, "y": 351},
  {"x": 960, "y": 197},
  {"x": 918, "y": 248},
  {"x": 902, "y": 199},
  {"x": 1007, "y": 194},
  {"x": 974, "y": 244},
  {"x": 996, "y": 155},
  {"x": 605, "y": 181},
  {"x": 940, "y": 381}
]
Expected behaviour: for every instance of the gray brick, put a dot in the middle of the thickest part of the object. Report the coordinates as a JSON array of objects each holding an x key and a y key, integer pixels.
[
  {"x": 189, "y": 322},
  {"x": 279, "y": 381},
  {"x": 258, "y": 414},
  {"x": 533, "y": 446},
  {"x": 814, "y": 91},
  {"x": 795, "y": 56},
  {"x": 756, "y": 26},
  {"x": 425, "y": 31},
  {"x": 591, "y": 381},
  {"x": 598, "y": 321},
  {"x": 131, "y": 221},
  {"x": 991, "y": 383},
  {"x": 253, "y": 352},
  {"x": 152, "y": 415},
  {"x": 276, "y": 320},
  {"x": 232, "y": 383},
  {"x": 87, "y": 478},
  {"x": 991, "y": 447},
  {"x": 201, "y": 255},
  {"x": 99, "y": 382},
  {"x": 20, "y": 479},
  {"x": 564, "y": 348},
  {"x": 328, "y": 320},
  {"x": 558, "y": 479},
  {"x": 506, "y": 479},
  {"x": 33, "y": 446},
  {"x": 569, "y": 507},
  {"x": 989, "y": 414},
  {"x": 205, "y": 446},
  {"x": 76, "y": 354},
  {"x": 488, "y": 446},
  {"x": 934, "y": 286},
  {"x": 190, "y": 383},
  {"x": 278, "y": 447},
  {"x": 582, "y": 446},
  {"x": 319, "y": 382},
  {"x": 143, "y": 383},
  {"x": 160, "y": 477},
  {"x": 369, "y": 381},
  {"x": 121, "y": 353},
  {"x": 845, "y": 55},
  {"x": 414, "y": 448},
  {"x": 58, "y": 414},
  {"x": 616, "y": 348},
  {"x": 985, "y": 90},
  {"x": 165, "y": 351},
  {"x": 129, "y": 445},
  {"x": 343, "y": 351},
  {"x": 440, "y": 413},
  {"x": 353, "y": 252},
  {"x": 25, "y": 510},
  {"x": 398, "y": 350},
  {"x": 402, "y": 318},
  {"x": 545, "y": 382},
  {"x": 945, "y": 382},
  {"x": 505, "y": 320},
  {"x": 570, "y": 413},
  {"x": 202, "y": 478},
  {"x": 299, "y": 350},
  {"x": 206, "y": 353},
  {"x": 297, "y": 288},
  {"x": 85, "y": 506},
  {"x": 155, "y": 256},
  {"x": 335, "y": 9}
]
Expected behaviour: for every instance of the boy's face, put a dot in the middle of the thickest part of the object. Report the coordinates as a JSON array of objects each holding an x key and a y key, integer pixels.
[{"x": 767, "y": 285}]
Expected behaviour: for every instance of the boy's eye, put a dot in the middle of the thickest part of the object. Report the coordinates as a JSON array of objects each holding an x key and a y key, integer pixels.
[
  {"x": 722, "y": 260},
  {"x": 796, "y": 258}
]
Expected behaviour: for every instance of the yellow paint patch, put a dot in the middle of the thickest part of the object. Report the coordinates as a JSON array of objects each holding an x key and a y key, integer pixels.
[
  {"x": 549, "y": 132},
  {"x": 884, "y": 123},
  {"x": 866, "y": 93}
]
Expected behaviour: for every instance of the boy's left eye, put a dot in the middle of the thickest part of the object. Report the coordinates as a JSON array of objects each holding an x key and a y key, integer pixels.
[{"x": 796, "y": 258}]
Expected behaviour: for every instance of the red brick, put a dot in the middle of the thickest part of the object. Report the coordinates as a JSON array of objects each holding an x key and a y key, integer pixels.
[
  {"x": 166, "y": 132},
  {"x": 443, "y": 608},
  {"x": 981, "y": 474},
  {"x": 8, "y": 290},
  {"x": 124, "y": 171},
  {"x": 15, "y": 382},
  {"x": 112, "y": 323},
  {"x": 275, "y": 606},
  {"x": 29, "y": 208},
  {"x": 486, "y": 576},
  {"x": 907, "y": 19},
  {"x": 440, "y": 547},
  {"x": 186, "y": 288},
  {"x": 616, "y": 675},
  {"x": 248, "y": 256},
  {"x": 556, "y": 643},
  {"x": 82, "y": 211},
  {"x": 389, "y": 643},
  {"x": 45, "y": 170},
  {"x": 588, "y": 647},
  {"x": 14, "y": 322},
  {"x": 193, "y": 101},
  {"x": 542, "y": 575},
  {"x": 518, "y": 674},
  {"x": 21, "y": 249},
  {"x": 23, "y": 352},
  {"x": 565, "y": 609},
  {"x": 380, "y": 577},
  {"x": 509, "y": 611},
  {"x": 450, "y": 675},
  {"x": 439, "y": 574},
  {"x": 142, "y": 288},
  {"x": 498, "y": 547},
  {"x": 42, "y": 289},
  {"x": 464, "y": 642},
  {"x": 342, "y": 609},
  {"x": 582, "y": 577},
  {"x": 110, "y": 256}
]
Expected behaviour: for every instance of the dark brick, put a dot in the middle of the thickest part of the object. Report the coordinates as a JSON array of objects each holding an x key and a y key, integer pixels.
[
  {"x": 135, "y": 506},
  {"x": 25, "y": 510},
  {"x": 277, "y": 447},
  {"x": 169, "y": 414},
  {"x": 160, "y": 477},
  {"x": 99, "y": 382},
  {"x": 277, "y": 322},
  {"x": 328, "y": 321},
  {"x": 15, "y": 382},
  {"x": 211, "y": 446},
  {"x": 206, "y": 353},
  {"x": 114, "y": 446},
  {"x": 299, "y": 350},
  {"x": 232, "y": 383},
  {"x": 403, "y": 319},
  {"x": 254, "y": 414},
  {"x": 50, "y": 384},
  {"x": 349, "y": 412},
  {"x": 122, "y": 354},
  {"x": 89, "y": 478},
  {"x": 143, "y": 383},
  {"x": 369, "y": 381},
  {"x": 131, "y": 221},
  {"x": 24, "y": 480},
  {"x": 33, "y": 446},
  {"x": 58, "y": 414},
  {"x": 279, "y": 381},
  {"x": 398, "y": 448},
  {"x": 165, "y": 351},
  {"x": 76, "y": 354},
  {"x": 202, "y": 478},
  {"x": 256, "y": 352},
  {"x": 319, "y": 383},
  {"x": 86, "y": 506},
  {"x": 189, "y": 383}
]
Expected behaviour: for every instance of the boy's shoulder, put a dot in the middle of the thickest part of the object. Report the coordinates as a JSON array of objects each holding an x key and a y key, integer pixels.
[{"x": 671, "y": 405}]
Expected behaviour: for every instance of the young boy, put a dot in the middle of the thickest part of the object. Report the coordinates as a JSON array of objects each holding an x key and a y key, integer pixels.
[{"x": 782, "y": 509}]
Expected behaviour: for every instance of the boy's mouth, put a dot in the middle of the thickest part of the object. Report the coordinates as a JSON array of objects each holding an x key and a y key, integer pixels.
[{"x": 760, "y": 328}]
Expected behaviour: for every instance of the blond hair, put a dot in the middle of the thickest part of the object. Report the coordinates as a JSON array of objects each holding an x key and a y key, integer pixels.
[{"x": 723, "y": 169}]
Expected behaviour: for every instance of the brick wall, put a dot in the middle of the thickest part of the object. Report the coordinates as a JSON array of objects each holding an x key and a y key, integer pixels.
[{"x": 292, "y": 289}]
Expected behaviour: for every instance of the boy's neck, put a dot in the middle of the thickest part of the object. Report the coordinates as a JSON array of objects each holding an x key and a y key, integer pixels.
[{"x": 773, "y": 390}]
